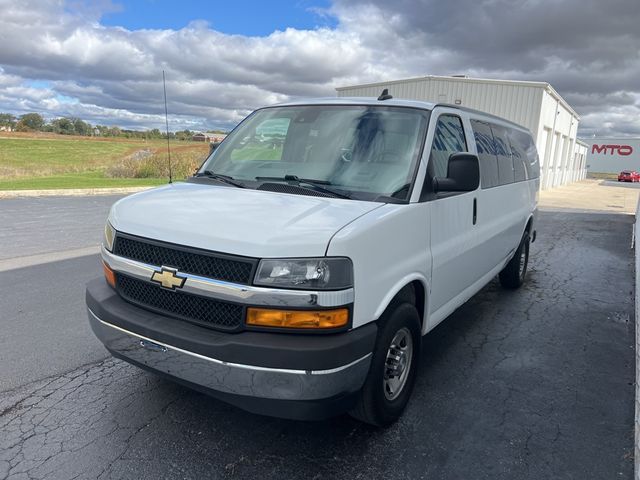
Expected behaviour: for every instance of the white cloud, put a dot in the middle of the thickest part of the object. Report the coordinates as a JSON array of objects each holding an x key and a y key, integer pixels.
[{"x": 214, "y": 79}]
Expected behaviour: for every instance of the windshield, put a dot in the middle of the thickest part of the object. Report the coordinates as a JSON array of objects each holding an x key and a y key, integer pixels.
[{"x": 364, "y": 151}]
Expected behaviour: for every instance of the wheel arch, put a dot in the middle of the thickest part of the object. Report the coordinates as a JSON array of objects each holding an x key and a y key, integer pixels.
[
  {"x": 529, "y": 224},
  {"x": 413, "y": 289}
]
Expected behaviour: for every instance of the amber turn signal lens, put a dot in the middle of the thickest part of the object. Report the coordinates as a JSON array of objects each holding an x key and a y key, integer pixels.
[
  {"x": 109, "y": 275},
  {"x": 265, "y": 317}
]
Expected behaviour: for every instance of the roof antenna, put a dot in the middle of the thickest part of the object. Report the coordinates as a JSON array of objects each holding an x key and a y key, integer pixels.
[
  {"x": 385, "y": 95},
  {"x": 166, "y": 121}
]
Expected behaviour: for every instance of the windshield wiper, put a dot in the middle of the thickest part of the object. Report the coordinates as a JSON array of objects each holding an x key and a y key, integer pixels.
[
  {"x": 318, "y": 185},
  {"x": 222, "y": 178}
]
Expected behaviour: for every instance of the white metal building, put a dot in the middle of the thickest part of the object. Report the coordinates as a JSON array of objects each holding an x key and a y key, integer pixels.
[
  {"x": 535, "y": 105},
  {"x": 580, "y": 162},
  {"x": 612, "y": 155}
]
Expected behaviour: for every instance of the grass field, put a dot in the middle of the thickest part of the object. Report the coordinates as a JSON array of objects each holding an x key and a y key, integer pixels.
[
  {"x": 75, "y": 180},
  {"x": 36, "y": 161},
  {"x": 602, "y": 176}
]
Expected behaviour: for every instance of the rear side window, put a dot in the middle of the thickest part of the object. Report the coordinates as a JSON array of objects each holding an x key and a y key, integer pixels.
[
  {"x": 448, "y": 138},
  {"x": 522, "y": 144},
  {"x": 489, "y": 175},
  {"x": 503, "y": 152},
  {"x": 519, "y": 158}
]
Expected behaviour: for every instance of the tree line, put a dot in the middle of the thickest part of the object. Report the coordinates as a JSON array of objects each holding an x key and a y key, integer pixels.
[{"x": 34, "y": 122}]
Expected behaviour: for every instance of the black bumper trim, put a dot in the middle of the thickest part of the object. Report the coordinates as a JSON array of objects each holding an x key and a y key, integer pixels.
[{"x": 274, "y": 350}]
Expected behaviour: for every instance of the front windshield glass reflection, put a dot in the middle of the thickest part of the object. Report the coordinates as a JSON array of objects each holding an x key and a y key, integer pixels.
[{"x": 367, "y": 151}]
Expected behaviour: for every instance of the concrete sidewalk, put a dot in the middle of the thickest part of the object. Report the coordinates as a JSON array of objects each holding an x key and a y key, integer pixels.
[
  {"x": 71, "y": 192},
  {"x": 592, "y": 196}
]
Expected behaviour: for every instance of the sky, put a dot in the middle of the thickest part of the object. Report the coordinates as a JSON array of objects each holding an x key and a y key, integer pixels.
[{"x": 102, "y": 60}]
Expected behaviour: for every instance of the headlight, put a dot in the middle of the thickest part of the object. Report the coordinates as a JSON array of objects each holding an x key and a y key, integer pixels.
[
  {"x": 109, "y": 236},
  {"x": 306, "y": 273}
]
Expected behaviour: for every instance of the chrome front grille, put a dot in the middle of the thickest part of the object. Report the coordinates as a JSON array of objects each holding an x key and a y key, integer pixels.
[{"x": 186, "y": 259}]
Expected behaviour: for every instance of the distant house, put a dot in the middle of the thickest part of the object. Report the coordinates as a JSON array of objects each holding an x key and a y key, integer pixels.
[
  {"x": 217, "y": 137},
  {"x": 211, "y": 137},
  {"x": 5, "y": 128},
  {"x": 201, "y": 137}
]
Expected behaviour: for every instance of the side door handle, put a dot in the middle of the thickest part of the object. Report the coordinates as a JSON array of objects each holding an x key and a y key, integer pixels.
[{"x": 475, "y": 210}]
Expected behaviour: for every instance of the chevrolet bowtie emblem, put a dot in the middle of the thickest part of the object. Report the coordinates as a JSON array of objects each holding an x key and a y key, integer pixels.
[{"x": 168, "y": 278}]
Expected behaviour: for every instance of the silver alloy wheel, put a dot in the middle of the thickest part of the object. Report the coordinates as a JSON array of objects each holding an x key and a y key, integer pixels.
[
  {"x": 523, "y": 259},
  {"x": 523, "y": 262},
  {"x": 398, "y": 363}
]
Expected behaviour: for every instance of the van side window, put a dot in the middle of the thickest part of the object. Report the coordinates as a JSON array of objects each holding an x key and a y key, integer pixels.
[
  {"x": 489, "y": 176},
  {"x": 447, "y": 139},
  {"x": 524, "y": 143},
  {"x": 503, "y": 152},
  {"x": 518, "y": 156}
]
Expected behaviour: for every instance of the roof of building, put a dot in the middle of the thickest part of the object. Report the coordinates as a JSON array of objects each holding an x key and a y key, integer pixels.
[{"x": 464, "y": 79}]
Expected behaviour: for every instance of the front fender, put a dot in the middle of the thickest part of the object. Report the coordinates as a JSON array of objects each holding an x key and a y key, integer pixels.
[{"x": 389, "y": 248}]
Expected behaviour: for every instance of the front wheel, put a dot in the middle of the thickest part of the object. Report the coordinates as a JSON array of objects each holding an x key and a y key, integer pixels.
[
  {"x": 512, "y": 276},
  {"x": 392, "y": 374}
]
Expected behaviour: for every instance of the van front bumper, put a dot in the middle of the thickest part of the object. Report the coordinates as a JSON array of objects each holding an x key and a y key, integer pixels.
[{"x": 286, "y": 375}]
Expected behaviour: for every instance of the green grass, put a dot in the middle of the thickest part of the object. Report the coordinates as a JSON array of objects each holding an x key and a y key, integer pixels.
[
  {"x": 50, "y": 162},
  {"x": 75, "y": 180},
  {"x": 37, "y": 154},
  {"x": 602, "y": 176}
]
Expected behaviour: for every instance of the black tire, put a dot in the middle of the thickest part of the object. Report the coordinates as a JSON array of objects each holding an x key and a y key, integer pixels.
[
  {"x": 513, "y": 275},
  {"x": 374, "y": 405}
]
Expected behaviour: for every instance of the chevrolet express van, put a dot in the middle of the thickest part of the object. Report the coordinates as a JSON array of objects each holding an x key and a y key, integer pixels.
[{"x": 295, "y": 273}]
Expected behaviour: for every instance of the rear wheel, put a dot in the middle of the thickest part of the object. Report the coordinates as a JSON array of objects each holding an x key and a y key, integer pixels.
[
  {"x": 512, "y": 276},
  {"x": 392, "y": 374}
]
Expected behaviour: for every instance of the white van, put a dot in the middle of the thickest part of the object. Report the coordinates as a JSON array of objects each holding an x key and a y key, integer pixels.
[{"x": 295, "y": 274}]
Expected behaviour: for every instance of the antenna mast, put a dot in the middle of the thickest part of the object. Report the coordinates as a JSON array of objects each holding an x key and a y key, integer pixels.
[{"x": 166, "y": 120}]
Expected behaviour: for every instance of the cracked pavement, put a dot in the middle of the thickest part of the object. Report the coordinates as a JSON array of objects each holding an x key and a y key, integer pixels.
[{"x": 534, "y": 383}]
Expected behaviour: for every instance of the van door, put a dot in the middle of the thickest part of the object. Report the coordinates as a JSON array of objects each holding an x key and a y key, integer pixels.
[
  {"x": 499, "y": 199},
  {"x": 452, "y": 222}
]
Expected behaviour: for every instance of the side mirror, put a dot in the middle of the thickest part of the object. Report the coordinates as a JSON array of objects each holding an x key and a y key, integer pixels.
[
  {"x": 463, "y": 174},
  {"x": 213, "y": 146}
]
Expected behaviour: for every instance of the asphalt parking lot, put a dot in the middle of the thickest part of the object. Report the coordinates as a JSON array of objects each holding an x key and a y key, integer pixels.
[{"x": 536, "y": 383}]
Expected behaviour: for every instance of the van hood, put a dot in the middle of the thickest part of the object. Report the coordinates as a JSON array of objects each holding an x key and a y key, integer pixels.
[{"x": 237, "y": 221}]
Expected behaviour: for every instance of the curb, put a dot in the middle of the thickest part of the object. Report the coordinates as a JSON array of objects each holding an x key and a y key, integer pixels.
[
  {"x": 636, "y": 452},
  {"x": 48, "y": 257},
  {"x": 70, "y": 192}
]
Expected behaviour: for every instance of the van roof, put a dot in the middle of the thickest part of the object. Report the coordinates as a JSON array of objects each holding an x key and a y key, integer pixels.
[{"x": 394, "y": 102}]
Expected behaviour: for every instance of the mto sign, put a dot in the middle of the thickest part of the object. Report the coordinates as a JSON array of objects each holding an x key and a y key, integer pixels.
[
  {"x": 612, "y": 155},
  {"x": 623, "y": 150}
]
